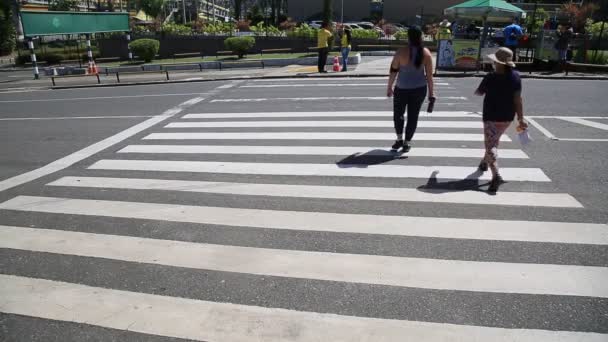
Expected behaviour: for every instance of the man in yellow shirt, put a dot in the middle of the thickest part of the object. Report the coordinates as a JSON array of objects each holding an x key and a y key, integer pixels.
[{"x": 323, "y": 38}]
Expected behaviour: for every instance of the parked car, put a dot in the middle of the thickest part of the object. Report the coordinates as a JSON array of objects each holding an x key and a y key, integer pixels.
[
  {"x": 352, "y": 26},
  {"x": 315, "y": 24},
  {"x": 366, "y": 26}
]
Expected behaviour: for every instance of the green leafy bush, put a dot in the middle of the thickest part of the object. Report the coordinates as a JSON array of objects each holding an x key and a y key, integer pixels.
[
  {"x": 596, "y": 28},
  {"x": 303, "y": 31},
  {"x": 176, "y": 29},
  {"x": 262, "y": 30},
  {"x": 22, "y": 59},
  {"x": 145, "y": 49},
  {"x": 401, "y": 35},
  {"x": 50, "y": 58},
  {"x": 218, "y": 28},
  {"x": 365, "y": 34},
  {"x": 597, "y": 57},
  {"x": 239, "y": 45}
]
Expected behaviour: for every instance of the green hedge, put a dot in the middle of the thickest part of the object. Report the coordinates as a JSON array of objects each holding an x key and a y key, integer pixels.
[
  {"x": 239, "y": 45},
  {"x": 145, "y": 49}
]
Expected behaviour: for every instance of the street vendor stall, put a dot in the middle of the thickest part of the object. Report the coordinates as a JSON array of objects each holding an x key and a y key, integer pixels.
[{"x": 465, "y": 54}]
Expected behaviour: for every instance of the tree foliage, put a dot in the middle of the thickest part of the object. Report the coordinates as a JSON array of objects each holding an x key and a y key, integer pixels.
[
  {"x": 63, "y": 5},
  {"x": 579, "y": 14},
  {"x": 7, "y": 30},
  {"x": 153, "y": 8}
]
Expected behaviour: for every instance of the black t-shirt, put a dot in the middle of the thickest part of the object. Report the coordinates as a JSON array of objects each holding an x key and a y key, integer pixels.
[{"x": 500, "y": 91}]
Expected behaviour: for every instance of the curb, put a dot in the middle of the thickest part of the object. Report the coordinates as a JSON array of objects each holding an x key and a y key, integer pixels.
[{"x": 234, "y": 78}]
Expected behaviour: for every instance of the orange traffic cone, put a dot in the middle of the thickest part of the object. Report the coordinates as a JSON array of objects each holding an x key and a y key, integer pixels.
[{"x": 337, "y": 64}]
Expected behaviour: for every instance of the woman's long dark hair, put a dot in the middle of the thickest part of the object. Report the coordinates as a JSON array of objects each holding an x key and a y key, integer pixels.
[
  {"x": 349, "y": 35},
  {"x": 414, "y": 35}
]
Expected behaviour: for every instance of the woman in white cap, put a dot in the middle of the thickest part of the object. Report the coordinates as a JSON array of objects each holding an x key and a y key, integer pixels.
[{"x": 502, "y": 90}]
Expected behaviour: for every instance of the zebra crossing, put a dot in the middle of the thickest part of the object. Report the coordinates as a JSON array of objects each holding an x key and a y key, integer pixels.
[{"x": 171, "y": 235}]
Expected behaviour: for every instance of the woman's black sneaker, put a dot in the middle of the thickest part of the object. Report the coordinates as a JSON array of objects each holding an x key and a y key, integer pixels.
[
  {"x": 406, "y": 147},
  {"x": 397, "y": 145},
  {"x": 495, "y": 183},
  {"x": 483, "y": 167}
]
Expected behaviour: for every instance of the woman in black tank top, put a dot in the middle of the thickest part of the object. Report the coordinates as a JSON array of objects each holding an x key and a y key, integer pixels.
[{"x": 414, "y": 67}]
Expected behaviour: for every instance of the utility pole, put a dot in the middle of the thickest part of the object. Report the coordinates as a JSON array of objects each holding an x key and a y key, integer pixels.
[
  {"x": 184, "y": 12},
  {"x": 342, "y": 11}
]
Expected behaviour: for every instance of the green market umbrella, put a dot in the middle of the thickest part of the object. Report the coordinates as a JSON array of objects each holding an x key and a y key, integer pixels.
[
  {"x": 489, "y": 10},
  {"x": 486, "y": 11}
]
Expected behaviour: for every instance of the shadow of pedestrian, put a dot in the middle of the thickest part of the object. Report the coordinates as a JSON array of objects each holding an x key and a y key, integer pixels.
[
  {"x": 373, "y": 157},
  {"x": 471, "y": 182}
]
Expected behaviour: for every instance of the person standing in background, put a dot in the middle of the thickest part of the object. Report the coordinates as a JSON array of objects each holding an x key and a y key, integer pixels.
[
  {"x": 412, "y": 67},
  {"x": 563, "y": 43},
  {"x": 512, "y": 34},
  {"x": 323, "y": 38},
  {"x": 345, "y": 46}
]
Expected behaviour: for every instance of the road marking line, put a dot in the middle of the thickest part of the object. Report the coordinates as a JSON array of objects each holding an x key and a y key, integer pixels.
[
  {"x": 542, "y": 129},
  {"x": 497, "y": 277},
  {"x": 328, "y": 192},
  {"x": 317, "y": 79},
  {"x": 438, "y": 114},
  {"x": 349, "y": 123},
  {"x": 338, "y": 98},
  {"x": 99, "y": 98},
  {"x": 584, "y": 140},
  {"x": 79, "y": 117},
  {"x": 559, "y": 117},
  {"x": 213, "y": 321},
  {"x": 341, "y": 170},
  {"x": 227, "y": 86},
  {"x": 319, "y": 151},
  {"x": 88, "y": 151},
  {"x": 291, "y": 85},
  {"x": 313, "y": 136},
  {"x": 585, "y": 122},
  {"x": 432, "y": 227}
]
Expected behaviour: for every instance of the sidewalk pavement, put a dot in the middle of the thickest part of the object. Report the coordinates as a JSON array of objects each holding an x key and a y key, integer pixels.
[{"x": 370, "y": 67}]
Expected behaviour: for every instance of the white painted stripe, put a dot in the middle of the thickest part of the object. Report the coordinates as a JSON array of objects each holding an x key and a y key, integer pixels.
[
  {"x": 317, "y": 79},
  {"x": 584, "y": 140},
  {"x": 319, "y": 151},
  {"x": 343, "y": 170},
  {"x": 438, "y": 114},
  {"x": 434, "y": 227},
  {"x": 559, "y": 117},
  {"x": 587, "y": 123},
  {"x": 97, "y": 98},
  {"x": 78, "y": 117},
  {"x": 349, "y": 123},
  {"x": 212, "y": 321},
  {"x": 542, "y": 129},
  {"x": 337, "y": 98},
  {"x": 86, "y": 152},
  {"x": 291, "y": 85},
  {"x": 75, "y": 157},
  {"x": 528, "y": 199},
  {"x": 501, "y": 277},
  {"x": 226, "y": 86},
  {"x": 312, "y": 136},
  {"x": 341, "y": 79}
]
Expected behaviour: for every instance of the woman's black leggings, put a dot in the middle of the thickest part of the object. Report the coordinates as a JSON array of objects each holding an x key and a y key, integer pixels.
[{"x": 411, "y": 99}]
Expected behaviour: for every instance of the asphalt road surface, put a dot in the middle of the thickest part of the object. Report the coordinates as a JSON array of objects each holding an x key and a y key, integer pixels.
[{"x": 273, "y": 210}]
